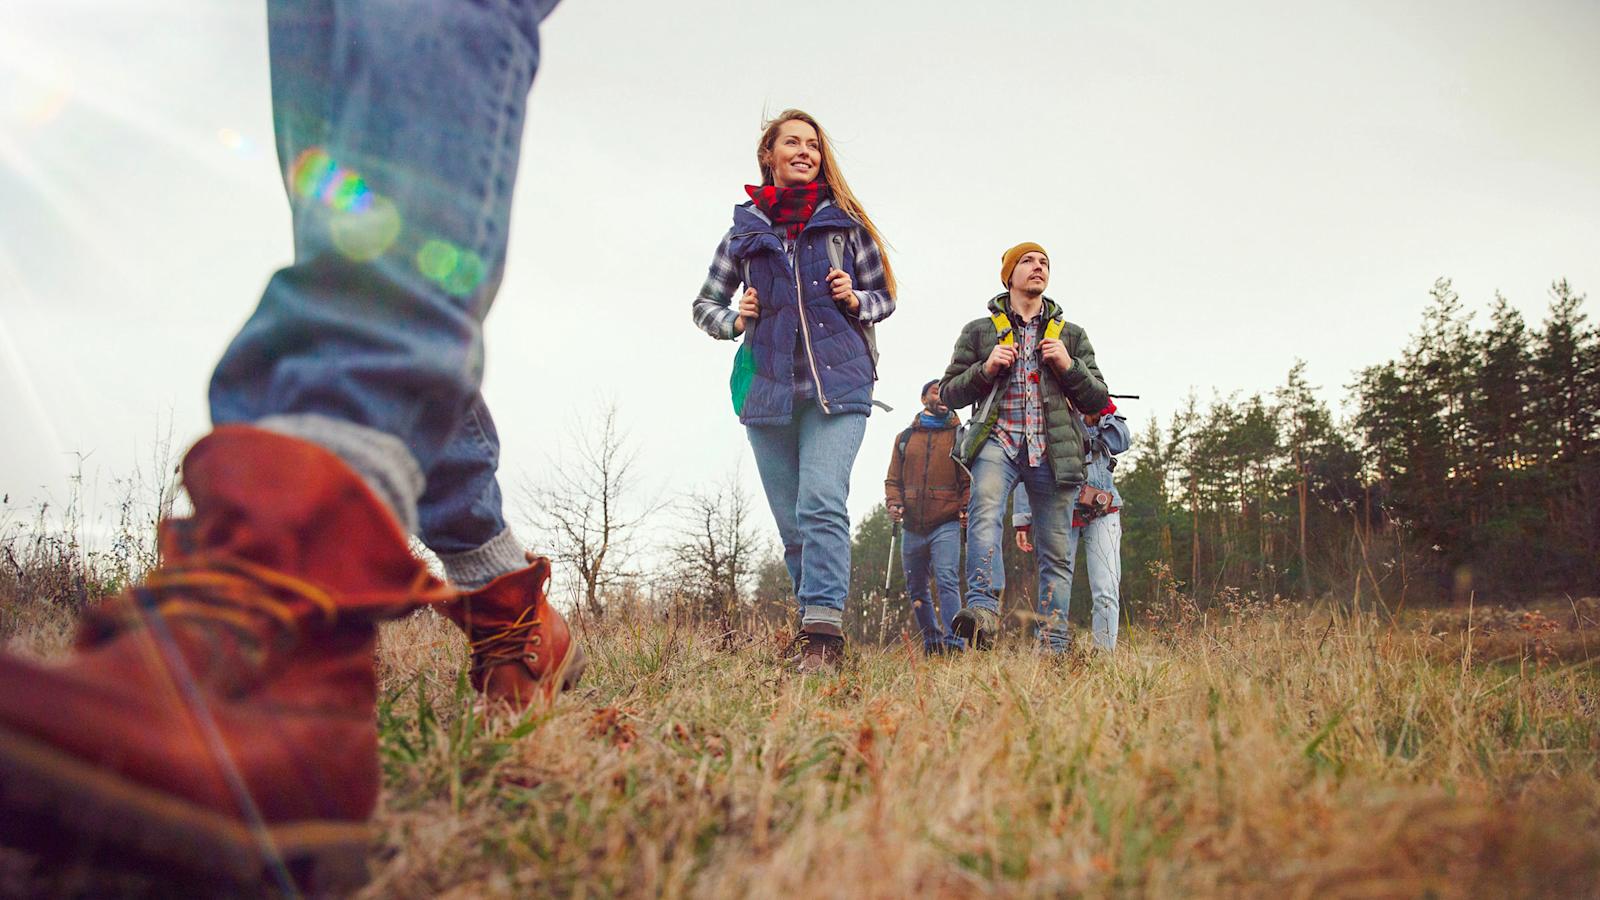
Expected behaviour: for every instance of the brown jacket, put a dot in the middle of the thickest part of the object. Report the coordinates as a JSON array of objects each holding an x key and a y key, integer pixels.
[{"x": 924, "y": 479}]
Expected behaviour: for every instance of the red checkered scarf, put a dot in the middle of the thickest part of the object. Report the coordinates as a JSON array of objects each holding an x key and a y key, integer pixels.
[{"x": 790, "y": 207}]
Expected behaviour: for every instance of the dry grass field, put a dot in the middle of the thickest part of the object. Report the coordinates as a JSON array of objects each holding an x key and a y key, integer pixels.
[{"x": 1282, "y": 753}]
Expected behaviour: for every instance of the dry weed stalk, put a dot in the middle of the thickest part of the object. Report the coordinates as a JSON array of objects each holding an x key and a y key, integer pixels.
[
  {"x": 1266, "y": 750},
  {"x": 1275, "y": 753}
]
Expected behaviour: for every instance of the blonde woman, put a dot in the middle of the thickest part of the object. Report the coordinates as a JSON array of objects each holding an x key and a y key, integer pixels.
[{"x": 815, "y": 280}]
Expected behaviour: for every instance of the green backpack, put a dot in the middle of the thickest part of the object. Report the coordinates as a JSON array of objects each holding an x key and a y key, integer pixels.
[
  {"x": 744, "y": 374},
  {"x": 744, "y": 362}
]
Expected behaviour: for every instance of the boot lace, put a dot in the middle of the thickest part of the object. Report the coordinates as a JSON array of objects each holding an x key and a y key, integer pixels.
[
  {"x": 235, "y": 591},
  {"x": 509, "y": 643}
]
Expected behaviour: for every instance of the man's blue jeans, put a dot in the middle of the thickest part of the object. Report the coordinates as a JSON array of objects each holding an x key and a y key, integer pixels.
[
  {"x": 805, "y": 471},
  {"x": 399, "y": 125},
  {"x": 1101, "y": 540},
  {"x": 994, "y": 474},
  {"x": 938, "y": 551}
]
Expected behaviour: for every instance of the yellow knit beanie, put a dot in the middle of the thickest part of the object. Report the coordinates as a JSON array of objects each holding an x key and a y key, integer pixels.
[{"x": 1009, "y": 260}]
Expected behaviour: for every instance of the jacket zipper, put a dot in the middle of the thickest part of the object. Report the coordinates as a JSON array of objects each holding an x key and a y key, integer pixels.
[
  {"x": 927, "y": 462},
  {"x": 805, "y": 331}
]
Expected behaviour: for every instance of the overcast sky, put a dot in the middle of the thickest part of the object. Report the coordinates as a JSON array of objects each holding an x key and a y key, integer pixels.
[{"x": 1222, "y": 187}]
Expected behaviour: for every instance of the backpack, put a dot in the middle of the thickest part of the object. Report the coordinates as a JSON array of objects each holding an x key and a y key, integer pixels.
[
  {"x": 1004, "y": 334},
  {"x": 900, "y": 441}
]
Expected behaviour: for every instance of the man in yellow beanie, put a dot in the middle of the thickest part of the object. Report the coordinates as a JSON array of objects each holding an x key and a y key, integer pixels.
[
  {"x": 1027, "y": 370},
  {"x": 1009, "y": 260}
]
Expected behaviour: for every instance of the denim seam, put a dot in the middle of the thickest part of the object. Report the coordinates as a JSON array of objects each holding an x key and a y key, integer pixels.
[{"x": 502, "y": 155}]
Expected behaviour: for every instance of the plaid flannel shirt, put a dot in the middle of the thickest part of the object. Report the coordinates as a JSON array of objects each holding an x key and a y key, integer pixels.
[
  {"x": 715, "y": 312},
  {"x": 1021, "y": 416}
]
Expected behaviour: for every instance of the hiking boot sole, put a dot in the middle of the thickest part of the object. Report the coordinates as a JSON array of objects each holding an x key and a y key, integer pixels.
[
  {"x": 965, "y": 628},
  {"x": 63, "y": 808}
]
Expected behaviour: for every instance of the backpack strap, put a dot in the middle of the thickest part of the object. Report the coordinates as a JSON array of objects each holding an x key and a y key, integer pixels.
[
  {"x": 1003, "y": 332},
  {"x": 869, "y": 334},
  {"x": 1052, "y": 329},
  {"x": 901, "y": 441}
]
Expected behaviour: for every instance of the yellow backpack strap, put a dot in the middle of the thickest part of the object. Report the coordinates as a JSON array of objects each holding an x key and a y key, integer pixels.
[
  {"x": 1052, "y": 328},
  {"x": 1002, "y": 328}
]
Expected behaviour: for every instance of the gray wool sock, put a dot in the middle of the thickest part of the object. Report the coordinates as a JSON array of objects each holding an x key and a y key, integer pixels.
[{"x": 472, "y": 569}]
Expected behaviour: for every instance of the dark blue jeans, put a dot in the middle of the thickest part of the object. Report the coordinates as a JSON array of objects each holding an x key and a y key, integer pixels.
[
  {"x": 399, "y": 126},
  {"x": 937, "y": 551}
]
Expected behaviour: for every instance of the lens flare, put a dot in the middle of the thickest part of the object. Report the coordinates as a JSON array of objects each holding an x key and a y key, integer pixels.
[
  {"x": 37, "y": 99},
  {"x": 366, "y": 233},
  {"x": 236, "y": 143},
  {"x": 364, "y": 225},
  {"x": 437, "y": 259},
  {"x": 456, "y": 270},
  {"x": 346, "y": 192},
  {"x": 310, "y": 171},
  {"x": 466, "y": 276}
]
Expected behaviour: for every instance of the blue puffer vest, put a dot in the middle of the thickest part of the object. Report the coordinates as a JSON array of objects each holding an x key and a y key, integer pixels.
[{"x": 843, "y": 369}]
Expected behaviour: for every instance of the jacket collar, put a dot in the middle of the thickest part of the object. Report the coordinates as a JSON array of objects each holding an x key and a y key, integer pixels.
[
  {"x": 997, "y": 304},
  {"x": 746, "y": 217},
  {"x": 951, "y": 421}
]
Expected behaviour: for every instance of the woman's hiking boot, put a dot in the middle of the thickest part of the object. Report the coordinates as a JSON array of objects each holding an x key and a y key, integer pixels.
[
  {"x": 977, "y": 626},
  {"x": 521, "y": 647},
  {"x": 216, "y": 723}
]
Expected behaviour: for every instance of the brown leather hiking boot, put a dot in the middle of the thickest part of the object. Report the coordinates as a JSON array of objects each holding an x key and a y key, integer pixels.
[
  {"x": 820, "y": 652},
  {"x": 217, "y": 723},
  {"x": 521, "y": 647}
]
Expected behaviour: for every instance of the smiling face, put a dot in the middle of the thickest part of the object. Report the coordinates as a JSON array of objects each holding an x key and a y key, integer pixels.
[
  {"x": 795, "y": 155},
  {"x": 1032, "y": 274}
]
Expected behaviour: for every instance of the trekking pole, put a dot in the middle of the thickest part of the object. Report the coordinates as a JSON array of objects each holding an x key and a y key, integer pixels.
[
  {"x": 888, "y": 566},
  {"x": 1123, "y": 396}
]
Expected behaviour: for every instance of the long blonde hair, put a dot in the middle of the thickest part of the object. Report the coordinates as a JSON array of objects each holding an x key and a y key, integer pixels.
[{"x": 828, "y": 174}]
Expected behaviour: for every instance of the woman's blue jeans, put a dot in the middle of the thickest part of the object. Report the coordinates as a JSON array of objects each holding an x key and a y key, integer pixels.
[
  {"x": 805, "y": 471},
  {"x": 399, "y": 126}
]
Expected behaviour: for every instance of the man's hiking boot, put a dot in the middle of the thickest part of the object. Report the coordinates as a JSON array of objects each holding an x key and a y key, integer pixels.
[
  {"x": 820, "y": 652},
  {"x": 521, "y": 647},
  {"x": 977, "y": 626},
  {"x": 216, "y": 724}
]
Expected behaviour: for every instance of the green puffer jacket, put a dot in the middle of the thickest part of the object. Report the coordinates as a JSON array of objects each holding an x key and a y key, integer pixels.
[{"x": 1082, "y": 387}]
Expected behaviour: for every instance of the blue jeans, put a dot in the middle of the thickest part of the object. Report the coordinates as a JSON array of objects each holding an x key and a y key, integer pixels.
[
  {"x": 938, "y": 550},
  {"x": 805, "y": 471},
  {"x": 399, "y": 125},
  {"x": 1102, "y": 550},
  {"x": 994, "y": 474}
]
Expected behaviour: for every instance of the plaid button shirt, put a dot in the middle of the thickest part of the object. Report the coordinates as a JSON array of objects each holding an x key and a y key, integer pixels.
[
  {"x": 715, "y": 311},
  {"x": 1021, "y": 416}
]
